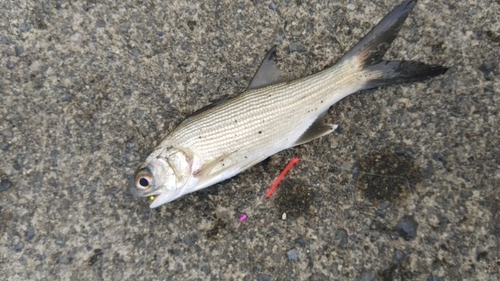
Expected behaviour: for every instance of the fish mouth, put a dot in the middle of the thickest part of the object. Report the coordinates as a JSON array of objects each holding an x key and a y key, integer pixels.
[{"x": 164, "y": 198}]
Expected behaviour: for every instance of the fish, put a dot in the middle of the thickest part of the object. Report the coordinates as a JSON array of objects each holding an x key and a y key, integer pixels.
[{"x": 273, "y": 114}]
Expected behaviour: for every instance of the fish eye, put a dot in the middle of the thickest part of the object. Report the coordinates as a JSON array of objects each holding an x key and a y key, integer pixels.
[
  {"x": 144, "y": 179},
  {"x": 144, "y": 182}
]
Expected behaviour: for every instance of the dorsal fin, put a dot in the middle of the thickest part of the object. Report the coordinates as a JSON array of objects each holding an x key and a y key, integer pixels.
[{"x": 268, "y": 73}]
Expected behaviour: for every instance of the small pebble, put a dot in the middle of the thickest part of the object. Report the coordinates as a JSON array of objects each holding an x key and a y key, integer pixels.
[
  {"x": 101, "y": 23},
  {"x": 118, "y": 275},
  {"x": 19, "y": 247},
  {"x": 75, "y": 37},
  {"x": 8, "y": 133},
  {"x": 30, "y": 233},
  {"x": 384, "y": 205},
  {"x": 5, "y": 185},
  {"x": 367, "y": 276},
  {"x": 295, "y": 47},
  {"x": 134, "y": 52},
  {"x": 216, "y": 42},
  {"x": 205, "y": 269},
  {"x": 63, "y": 259},
  {"x": 25, "y": 27},
  {"x": 379, "y": 213},
  {"x": 407, "y": 227},
  {"x": 190, "y": 239},
  {"x": 263, "y": 277},
  {"x": 277, "y": 258},
  {"x": 301, "y": 241},
  {"x": 487, "y": 68},
  {"x": 399, "y": 255},
  {"x": 342, "y": 237},
  {"x": 292, "y": 255},
  {"x": 60, "y": 240},
  {"x": 18, "y": 50},
  {"x": 433, "y": 277},
  {"x": 283, "y": 217}
]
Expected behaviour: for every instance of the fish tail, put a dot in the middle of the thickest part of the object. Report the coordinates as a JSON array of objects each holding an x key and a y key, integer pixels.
[{"x": 371, "y": 49}]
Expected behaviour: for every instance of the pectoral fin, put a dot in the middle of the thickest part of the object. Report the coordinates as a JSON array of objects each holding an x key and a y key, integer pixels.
[
  {"x": 318, "y": 128},
  {"x": 206, "y": 169},
  {"x": 207, "y": 177}
]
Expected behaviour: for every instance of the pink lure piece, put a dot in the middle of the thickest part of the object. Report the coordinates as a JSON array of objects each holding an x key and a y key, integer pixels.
[{"x": 243, "y": 217}]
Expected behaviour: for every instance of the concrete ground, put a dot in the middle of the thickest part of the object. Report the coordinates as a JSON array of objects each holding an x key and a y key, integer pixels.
[{"x": 407, "y": 187}]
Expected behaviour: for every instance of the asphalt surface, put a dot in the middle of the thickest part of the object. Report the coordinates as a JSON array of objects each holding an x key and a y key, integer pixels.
[{"x": 406, "y": 188}]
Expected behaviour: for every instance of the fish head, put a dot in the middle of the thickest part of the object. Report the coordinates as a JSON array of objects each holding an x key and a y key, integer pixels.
[{"x": 164, "y": 174}]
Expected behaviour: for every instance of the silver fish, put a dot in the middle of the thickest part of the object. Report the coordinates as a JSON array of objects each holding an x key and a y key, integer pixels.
[{"x": 271, "y": 115}]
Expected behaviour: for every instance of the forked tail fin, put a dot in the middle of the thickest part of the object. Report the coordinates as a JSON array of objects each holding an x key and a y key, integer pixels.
[{"x": 370, "y": 50}]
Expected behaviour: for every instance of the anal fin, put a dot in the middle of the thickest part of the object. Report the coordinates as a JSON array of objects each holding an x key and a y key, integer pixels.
[{"x": 318, "y": 128}]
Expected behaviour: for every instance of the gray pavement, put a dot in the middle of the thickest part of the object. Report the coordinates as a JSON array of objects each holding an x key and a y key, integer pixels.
[{"x": 407, "y": 188}]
